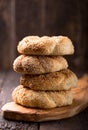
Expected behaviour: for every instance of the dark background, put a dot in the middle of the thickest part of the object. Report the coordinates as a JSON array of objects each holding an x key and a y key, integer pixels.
[{"x": 19, "y": 18}]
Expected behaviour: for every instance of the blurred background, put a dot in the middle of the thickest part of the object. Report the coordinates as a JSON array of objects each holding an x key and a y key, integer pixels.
[{"x": 19, "y": 18}]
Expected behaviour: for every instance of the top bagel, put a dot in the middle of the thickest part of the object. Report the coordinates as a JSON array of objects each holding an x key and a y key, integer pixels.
[{"x": 55, "y": 45}]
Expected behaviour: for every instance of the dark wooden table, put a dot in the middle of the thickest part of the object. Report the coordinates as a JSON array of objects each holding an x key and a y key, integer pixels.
[{"x": 8, "y": 81}]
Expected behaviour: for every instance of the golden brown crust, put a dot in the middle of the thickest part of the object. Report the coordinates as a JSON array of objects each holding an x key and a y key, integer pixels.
[
  {"x": 55, "y": 45},
  {"x": 61, "y": 80},
  {"x": 41, "y": 99},
  {"x": 39, "y": 64}
]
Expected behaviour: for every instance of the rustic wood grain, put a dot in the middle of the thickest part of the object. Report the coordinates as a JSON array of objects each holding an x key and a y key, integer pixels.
[
  {"x": 2, "y": 78},
  {"x": 28, "y": 18},
  {"x": 11, "y": 125},
  {"x": 78, "y": 122},
  {"x": 17, "y": 112},
  {"x": 7, "y": 33},
  {"x": 8, "y": 81}
]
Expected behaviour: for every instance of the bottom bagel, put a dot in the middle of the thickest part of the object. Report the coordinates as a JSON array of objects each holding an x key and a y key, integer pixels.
[{"x": 41, "y": 99}]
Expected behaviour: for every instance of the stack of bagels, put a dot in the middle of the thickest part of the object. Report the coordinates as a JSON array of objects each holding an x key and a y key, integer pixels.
[{"x": 46, "y": 81}]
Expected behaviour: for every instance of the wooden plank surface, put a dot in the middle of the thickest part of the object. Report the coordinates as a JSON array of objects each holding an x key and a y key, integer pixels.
[
  {"x": 79, "y": 122},
  {"x": 9, "y": 80}
]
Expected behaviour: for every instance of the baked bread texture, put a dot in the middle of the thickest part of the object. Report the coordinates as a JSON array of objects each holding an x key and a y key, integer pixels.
[
  {"x": 39, "y": 64},
  {"x": 55, "y": 45},
  {"x": 41, "y": 99},
  {"x": 61, "y": 80}
]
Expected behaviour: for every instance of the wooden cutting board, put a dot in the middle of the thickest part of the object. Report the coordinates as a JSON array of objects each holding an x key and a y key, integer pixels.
[{"x": 16, "y": 112}]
